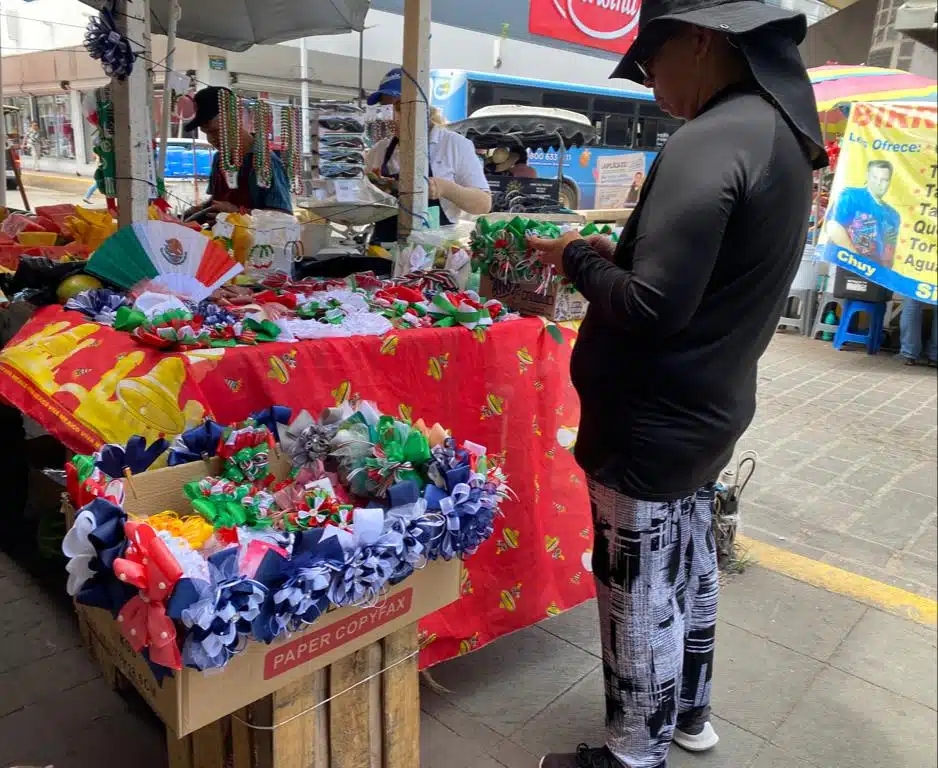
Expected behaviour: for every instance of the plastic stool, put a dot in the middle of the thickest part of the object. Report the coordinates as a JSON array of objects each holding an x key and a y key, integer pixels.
[
  {"x": 802, "y": 320},
  {"x": 827, "y": 300},
  {"x": 873, "y": 336}
]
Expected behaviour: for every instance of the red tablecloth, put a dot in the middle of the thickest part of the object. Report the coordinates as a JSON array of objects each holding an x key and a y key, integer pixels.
[{"x": 507, "y": 389}]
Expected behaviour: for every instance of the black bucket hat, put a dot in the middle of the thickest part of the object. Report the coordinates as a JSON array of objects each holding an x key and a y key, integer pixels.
[{"x": 767, "y": 36}]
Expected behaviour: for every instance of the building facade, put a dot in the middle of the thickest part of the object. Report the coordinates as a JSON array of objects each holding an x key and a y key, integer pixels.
[{"x": 46, "y": 73}]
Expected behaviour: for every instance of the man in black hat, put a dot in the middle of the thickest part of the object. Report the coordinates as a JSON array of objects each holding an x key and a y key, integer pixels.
[
  {"x": 665, "y": 363},
  {"x": 248, "y": 195}
]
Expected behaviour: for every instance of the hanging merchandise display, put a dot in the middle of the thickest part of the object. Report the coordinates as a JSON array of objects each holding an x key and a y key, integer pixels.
[
  {"x": 339, "y": 144},
  {"x": 229, "y": 115},
  {"x": 263, "y": 129},
  {"x": 104, "y": 43},
  {"x": 106, "y": 173},
  {"x": 291, "y": 140}
]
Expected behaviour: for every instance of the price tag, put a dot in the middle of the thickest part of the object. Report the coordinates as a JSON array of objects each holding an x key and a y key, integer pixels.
[{"x": 346, "y": 190}]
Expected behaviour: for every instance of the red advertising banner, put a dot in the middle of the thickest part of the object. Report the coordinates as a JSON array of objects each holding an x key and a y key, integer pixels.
[{"x": 610, "y": 25}]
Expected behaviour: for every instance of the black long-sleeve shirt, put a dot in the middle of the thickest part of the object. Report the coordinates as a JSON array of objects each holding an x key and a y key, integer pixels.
[{"x": 665, "y": 363}]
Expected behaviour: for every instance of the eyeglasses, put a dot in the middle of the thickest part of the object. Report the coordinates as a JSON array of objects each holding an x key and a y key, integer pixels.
[{"x": 660, "y": 34}]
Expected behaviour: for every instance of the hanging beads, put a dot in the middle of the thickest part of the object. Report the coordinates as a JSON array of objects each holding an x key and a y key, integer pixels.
[
  {"x": 292, "y": 151},
  {"x": 229, "y": 115},
  {"x": 263, "y": 128}
]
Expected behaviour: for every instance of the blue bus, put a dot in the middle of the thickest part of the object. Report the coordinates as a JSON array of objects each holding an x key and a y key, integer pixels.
[{"x": 630, "y": 126}]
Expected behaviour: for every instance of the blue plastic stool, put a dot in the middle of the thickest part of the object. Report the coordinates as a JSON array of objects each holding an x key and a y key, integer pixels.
[{"x": 873, "y": 336}]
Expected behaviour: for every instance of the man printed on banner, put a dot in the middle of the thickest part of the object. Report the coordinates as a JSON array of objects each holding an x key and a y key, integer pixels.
[{"x": 863, "y": 222}]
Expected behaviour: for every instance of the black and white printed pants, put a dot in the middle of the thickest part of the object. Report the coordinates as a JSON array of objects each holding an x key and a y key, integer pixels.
[{"x": 655, "y": 566}]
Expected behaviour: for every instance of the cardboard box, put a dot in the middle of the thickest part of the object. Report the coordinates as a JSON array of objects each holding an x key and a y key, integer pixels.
[
  {"x": 191, "y": 699},
  {"x": 558, "y": 304}
]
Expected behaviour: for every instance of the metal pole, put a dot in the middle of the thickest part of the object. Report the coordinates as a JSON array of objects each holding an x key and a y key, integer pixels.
[
  {"x": 304, "y": 97},
  {"x": 174, "y": 13}
]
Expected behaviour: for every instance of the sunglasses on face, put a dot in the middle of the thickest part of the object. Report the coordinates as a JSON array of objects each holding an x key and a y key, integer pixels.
[{"x": 659, "y": 35}]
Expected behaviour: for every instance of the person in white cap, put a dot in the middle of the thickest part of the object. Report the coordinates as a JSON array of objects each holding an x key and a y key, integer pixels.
[{"x": 456, "y": 181}]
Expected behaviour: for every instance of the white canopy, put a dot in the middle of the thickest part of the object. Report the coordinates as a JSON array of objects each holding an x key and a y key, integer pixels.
[{"x": 236, "y": 25}]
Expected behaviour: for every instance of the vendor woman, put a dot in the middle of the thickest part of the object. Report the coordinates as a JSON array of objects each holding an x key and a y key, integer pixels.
[
  {"x": 248, "y": 195},
  {"x": 456, "y": 179}
]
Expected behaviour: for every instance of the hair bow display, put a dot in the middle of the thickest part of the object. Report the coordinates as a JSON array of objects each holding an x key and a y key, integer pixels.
[
  {"x": 84, "y": 482},
  {"x": 93, "y": 542},
  {"x": 149, "y": 565},
  {"x": 104, "y": 43},
  {"x": 273, "y": 418},
  {"x": 303, "y": 595},
  {"x": 133, "y": 458},
  {"x": 306, "y": 440},
  {"x": 98, "y": 304},
  {"x": 218, "y": 612},
  {"x": 200, "y": 442},
  {"x": 290, "y": 549}
]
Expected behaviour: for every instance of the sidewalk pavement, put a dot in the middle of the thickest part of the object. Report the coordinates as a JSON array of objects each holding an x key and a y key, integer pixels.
[{"x": 804, "y": 679}]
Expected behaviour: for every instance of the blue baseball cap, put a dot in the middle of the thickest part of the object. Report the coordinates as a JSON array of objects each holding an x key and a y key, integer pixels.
[{"x": 390, "y": 86}]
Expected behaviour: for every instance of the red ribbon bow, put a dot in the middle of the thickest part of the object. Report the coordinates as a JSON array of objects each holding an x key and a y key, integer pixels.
[{"x": 150, "y": 566}]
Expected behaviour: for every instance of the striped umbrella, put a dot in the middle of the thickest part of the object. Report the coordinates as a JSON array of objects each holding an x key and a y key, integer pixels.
[{"x": 836, "y": 87}]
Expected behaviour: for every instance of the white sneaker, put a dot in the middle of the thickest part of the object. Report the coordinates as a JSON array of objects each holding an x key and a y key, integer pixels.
[{"x": 706, "y": 740}]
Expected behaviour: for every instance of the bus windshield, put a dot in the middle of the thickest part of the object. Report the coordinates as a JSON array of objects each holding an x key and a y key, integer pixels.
[{"x": 605, "y": 175}]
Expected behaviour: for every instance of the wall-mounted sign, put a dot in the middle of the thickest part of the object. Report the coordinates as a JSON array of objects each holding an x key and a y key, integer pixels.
[
  {"x": 610, "y": 25},
  {"x": 218, "y": 63}
]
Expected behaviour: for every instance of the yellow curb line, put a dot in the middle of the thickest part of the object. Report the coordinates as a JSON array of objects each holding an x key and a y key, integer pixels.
[{"x": 908, "y": 605}]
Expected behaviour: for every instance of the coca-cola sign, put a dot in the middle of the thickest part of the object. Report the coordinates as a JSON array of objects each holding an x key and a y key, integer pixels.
[{"x": 607, "y": 24}]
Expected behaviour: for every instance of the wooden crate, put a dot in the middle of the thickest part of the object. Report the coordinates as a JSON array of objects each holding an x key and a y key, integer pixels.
[{"x": 375, "y": 724}]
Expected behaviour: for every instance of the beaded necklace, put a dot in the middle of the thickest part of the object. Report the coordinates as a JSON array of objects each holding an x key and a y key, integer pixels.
[
  {"x": 263, "y": 127},
  {"x": 229, "y": 116},
  {"x": 291, "y": 155}
]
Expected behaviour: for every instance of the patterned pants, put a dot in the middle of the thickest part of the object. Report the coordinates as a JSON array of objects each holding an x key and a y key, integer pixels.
[{"x": 655, "y": 567}]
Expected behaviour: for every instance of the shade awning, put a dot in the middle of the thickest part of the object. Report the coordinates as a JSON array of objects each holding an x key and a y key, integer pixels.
[
  {"x": 236, "y": 25},
  {"x": 837, "y": 84}
]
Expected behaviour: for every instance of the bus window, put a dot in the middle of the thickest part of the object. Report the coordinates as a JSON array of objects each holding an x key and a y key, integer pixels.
[
  {"x": 575, "y": 102},
  {"x": 618, "y": 131},
  {"x": 480, "y": 95},
  {"x": 507, "y": 94},
  {"x": 654, "y": 127}
]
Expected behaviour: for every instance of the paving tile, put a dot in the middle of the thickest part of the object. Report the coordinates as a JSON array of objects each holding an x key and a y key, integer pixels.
[
  {"x": 507, "y": 683},
  {"x": 757, "y": 682},
  {"x": 923, "y": 480},
  {"x": 845, "y": 722},
  {"x": 57, "y": 631},
  {"x": 914, "y": 568},
  {"x": 44, "y": 678},
  {"x": 926, "y": 545},
  {"x": 579, "y": 626},
  {"x": 869, "y": 478},
  {"x": 737, "y": 749},
  {"x": 41, "y": 734},
  {"x": 912, "y": 667},
  {"x": 800, "y": 617},
  {"x": 576, "y": 717},
  {"x": 440, "y": 747},
  {"x": 896, "y": 519},
  {"x": 772, "y": 757}
]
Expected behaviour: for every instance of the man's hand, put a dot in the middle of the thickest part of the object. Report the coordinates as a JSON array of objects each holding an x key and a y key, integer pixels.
[
  {"x": 222, "y": 206},
  {"x": 603, "y": 245},
  {"x": 438, "y": 189},
  {"x": 551, "y": 251}
]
